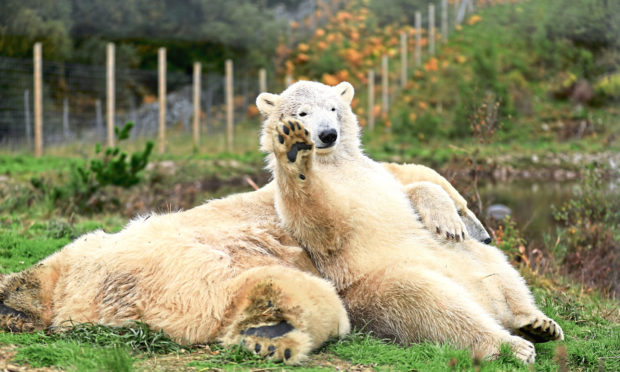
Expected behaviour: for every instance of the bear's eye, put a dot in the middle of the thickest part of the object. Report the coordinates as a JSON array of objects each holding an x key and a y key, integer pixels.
[
  {"x": 333, "y": 109},
  {"x": 302, "y": 114}
]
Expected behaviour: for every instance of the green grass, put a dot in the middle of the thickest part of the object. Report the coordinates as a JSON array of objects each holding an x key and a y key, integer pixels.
[{"x": 591, "y": 324}]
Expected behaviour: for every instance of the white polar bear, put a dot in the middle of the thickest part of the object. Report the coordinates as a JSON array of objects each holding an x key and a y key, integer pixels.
[{"x": 358, "y": 226}]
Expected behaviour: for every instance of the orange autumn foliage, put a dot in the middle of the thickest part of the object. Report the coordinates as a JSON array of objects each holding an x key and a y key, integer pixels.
[
  {"x": 330, "y": 79},
  {"x": 431, "y": 65}
]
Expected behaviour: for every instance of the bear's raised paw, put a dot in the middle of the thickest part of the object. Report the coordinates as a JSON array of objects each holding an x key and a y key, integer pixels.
[{"x": 293, "y": 145}]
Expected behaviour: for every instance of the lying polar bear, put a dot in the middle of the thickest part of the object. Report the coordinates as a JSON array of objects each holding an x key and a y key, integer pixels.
[
  {"x": 362, "y": 233},
  {"x": 225, "y": 271}
]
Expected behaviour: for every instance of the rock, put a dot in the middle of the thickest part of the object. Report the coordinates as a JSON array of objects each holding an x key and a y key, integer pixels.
[{"x": 498, "y": 211}]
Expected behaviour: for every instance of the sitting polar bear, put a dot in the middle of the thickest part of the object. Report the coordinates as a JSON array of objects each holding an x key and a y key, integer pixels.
[
  {"x": 360, "y": 230},
  {"x": 225, "y": 271}
]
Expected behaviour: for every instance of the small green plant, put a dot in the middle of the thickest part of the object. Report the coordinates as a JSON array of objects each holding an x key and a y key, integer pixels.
[{"x": 112, "y": 166}]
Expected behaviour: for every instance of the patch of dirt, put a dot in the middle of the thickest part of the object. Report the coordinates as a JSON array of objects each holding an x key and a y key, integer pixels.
[
  {"x": 178, "y": 362},
  {"x": 7, "y": 364}
]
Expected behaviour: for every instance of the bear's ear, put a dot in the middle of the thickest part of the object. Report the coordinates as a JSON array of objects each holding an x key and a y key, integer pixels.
[
  {"x": 267, "y": 103},
  {"x": 346, "y": 91}
]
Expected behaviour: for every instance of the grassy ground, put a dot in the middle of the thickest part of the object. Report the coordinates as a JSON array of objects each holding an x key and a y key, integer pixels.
[
  {"x": 591, "y": 325},
  {"x": 30, "y": 232}
]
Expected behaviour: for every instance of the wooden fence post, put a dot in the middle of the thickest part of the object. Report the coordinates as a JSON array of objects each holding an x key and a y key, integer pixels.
[
  {"x": 371, "y": 100},
  {"x": 418, "y": 39},
  {"x": 229, "y": 105},
  {"x": 98, "y": 118},
  {"x": 196, "y": 121},
  {"x": 385, "y": 84},
  {"x": 38, "y": 102},
  {"x": 110, "y": 90},
  {"x": 262, "y": 80},
  {"x": 161, "y": 64},
  {"x": 403, "y": 59},
  {"x": 65, "y": 118},
  {"x": 431, "y": 29},
  {"x": 444, "y": 21},
  {"x": 470, "y": 6},
  {"x": 27, "y": 117}
]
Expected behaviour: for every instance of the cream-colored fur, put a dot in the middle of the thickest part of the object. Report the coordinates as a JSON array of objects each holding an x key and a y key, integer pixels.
[
  {"x": 361, "y": 231},
  {"x": 202, "y": 275},
  {"x": 224, "y": 271},
  {"x": 218, "y": 272}
]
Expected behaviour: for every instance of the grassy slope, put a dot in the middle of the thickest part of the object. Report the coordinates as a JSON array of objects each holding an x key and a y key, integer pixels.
[{"x": 591, "y": 326}]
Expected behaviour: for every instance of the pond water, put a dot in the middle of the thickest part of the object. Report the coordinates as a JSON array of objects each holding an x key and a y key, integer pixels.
[{"x": 531, "y": 201}]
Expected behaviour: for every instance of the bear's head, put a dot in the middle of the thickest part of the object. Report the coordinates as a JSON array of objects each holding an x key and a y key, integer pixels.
[{"x": 324, "y": 110}]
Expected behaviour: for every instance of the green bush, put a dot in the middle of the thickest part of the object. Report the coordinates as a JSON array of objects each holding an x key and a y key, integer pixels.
[
  {"x": 588, "y": 234},
  {"x": 580, "y": 35},
  {"x": 111, "y": 167}
]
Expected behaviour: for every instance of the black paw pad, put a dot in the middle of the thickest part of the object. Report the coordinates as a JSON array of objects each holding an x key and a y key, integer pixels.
[
  {"x": 302, "y": 176},
  {"x": 5, "y": 310},
  {"x": 287, "y": 354},
  {"x": 280, "y": 139},
  {"x": 271, "y": 331},
  {"x": 272, "y": 350},
  {"x": 285, "y": 129},
  {"x": 257, "y": 348},
  {"x": 291, "y": 155}
]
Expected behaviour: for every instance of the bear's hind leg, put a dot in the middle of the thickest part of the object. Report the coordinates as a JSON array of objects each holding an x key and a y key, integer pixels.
[
  {"x": 515, "y": 308},
  {"x": 22, "y": 304},
  {"x": 283, "y": 314},
  {"x": 413, "y": 304}
]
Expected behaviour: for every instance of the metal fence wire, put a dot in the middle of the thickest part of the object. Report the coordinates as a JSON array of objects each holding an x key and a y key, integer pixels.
[{"x": 74, "y": 99}]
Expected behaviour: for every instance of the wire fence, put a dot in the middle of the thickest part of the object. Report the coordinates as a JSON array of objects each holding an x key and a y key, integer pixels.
[
  {"x": 74, "y": 95},
  {"x": 74, "y": 98}
]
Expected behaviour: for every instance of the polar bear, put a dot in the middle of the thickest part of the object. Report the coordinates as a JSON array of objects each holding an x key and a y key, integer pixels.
[
  {"x": 224, "y": 271},
  {"x": 357, "y": 224}
]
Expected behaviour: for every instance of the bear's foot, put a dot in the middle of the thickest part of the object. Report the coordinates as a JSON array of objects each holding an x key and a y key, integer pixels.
[
  {"x": 490, "y": 348},
  {"x": 522, "y": 349},
  {"x": 293, "y": 147},
  {"x": 280, "y": 341},
  {"x": 265, "y": 327},
  {"x": 15, "y": 321},
  {"x": 541, "y": 329}
]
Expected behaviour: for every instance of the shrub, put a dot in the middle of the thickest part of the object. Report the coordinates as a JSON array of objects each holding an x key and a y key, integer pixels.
[
  {"x": 111, "y": 167},
  {"x": 589, "y": 234}
]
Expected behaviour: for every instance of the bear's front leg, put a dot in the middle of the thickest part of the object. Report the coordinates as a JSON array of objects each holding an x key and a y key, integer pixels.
[{"x": 294, "y": 149}]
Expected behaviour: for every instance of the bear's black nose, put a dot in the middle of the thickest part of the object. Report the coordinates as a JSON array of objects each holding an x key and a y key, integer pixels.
[{"x": 328, "y": 136}]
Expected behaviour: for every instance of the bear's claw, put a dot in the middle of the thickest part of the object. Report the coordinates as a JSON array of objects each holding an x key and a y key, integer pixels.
[
  {"x": 293, "y": 139},
  {"x": 273, "y": 342},
  {"x": 541, "y": 330}
]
